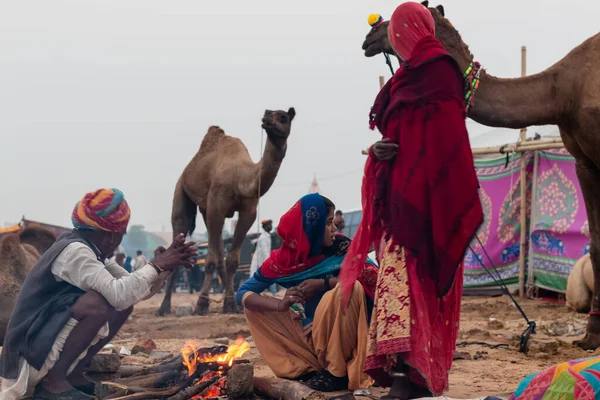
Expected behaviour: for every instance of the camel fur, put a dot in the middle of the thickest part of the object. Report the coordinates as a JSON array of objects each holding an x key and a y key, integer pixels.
[
  {"x": 580, "y": 285},
  {"x": 565, "y": 94},
  {"x": 220, "y": 180},
  {"x": 18, "y": 255}
]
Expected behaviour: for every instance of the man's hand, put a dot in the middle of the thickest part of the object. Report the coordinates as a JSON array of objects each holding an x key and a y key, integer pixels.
[
  {"x": 292, "y": 296},
  {"x": 385, "y": 150},
  {"x": 312, "y": 288},
  {"x": 179, "y": 253}
]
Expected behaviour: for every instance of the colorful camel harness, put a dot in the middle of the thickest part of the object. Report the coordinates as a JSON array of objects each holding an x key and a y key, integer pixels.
[{"x": 471, "y": 77}]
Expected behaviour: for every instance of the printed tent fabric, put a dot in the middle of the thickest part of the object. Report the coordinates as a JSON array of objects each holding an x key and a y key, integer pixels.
[
  {"x": 500, "y": 194},
  {"x": 560, "y": 230},
  {"x": 577, "y": 380}
]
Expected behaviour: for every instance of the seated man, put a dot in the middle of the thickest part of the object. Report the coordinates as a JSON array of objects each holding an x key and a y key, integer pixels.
[
  {"x": 74, "y": 301},
  {"x": 325, "y": 349}
]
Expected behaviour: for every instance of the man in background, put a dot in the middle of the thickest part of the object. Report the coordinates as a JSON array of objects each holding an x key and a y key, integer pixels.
[
  {"x": 339, "y": 221},
  {"x": 263, "y": 250},
  {"x": 139, "y": 261}
]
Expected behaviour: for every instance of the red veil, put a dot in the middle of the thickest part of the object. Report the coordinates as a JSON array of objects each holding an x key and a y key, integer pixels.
[{"x": 426, "y": 198}]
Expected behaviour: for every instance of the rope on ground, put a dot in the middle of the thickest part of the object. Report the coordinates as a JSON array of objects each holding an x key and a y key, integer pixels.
[
  {"x": 491, "y": 346},
  {"x": 500, "y": 282}
]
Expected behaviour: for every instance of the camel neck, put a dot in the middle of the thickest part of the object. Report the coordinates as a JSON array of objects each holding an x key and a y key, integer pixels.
[
  {"x": 265, "y": 171},
  {"x": 516, "y": 103},
  {"x": 510, "y": 103}
]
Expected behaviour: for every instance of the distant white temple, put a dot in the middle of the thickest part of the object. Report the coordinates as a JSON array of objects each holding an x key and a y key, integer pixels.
[{"x": 314, "y": 186}]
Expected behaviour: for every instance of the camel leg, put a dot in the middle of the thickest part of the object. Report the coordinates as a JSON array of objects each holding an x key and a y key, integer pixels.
[
  {"x": 165, "y": 306},
  {"x": 214, "y": 221},
  {"x": 589, "y": 179},
  {"x": 245, "y": 222}
]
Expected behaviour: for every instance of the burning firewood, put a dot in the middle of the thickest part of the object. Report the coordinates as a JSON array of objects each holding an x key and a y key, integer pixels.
[
  {"x": 194, "y": 390},
  {"x": 197, "y": 373}
]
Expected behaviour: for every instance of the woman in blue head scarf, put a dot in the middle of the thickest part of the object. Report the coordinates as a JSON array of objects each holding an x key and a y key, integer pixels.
[{"x": 322, "y": 345}]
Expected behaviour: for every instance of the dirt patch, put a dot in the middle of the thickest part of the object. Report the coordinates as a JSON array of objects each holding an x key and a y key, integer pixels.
[
  {"x": 488, "y": 371},
  {"x": 482, "y": 369}
]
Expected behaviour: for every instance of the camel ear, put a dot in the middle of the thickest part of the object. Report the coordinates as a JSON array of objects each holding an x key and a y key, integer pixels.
[
  {"x": 291, "y": 113},
  {"x": 425, "y": 3},
  {"x": 440, "y": 8}
]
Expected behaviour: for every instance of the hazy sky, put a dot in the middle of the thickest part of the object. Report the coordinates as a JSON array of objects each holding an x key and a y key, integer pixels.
[{"x": 120, "y": 93}]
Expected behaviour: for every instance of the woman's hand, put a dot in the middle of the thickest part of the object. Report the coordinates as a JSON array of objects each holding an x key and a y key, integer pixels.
[
  {"x": 312, "y": 288},
  {"x": 293, "y": 295},
  {"x": 385, "y": 150}
]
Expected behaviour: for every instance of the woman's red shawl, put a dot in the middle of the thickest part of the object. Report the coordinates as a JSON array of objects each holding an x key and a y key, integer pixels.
[{"x": 426, "y": 199}]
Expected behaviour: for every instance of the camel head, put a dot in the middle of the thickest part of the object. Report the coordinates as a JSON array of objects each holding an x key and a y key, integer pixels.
[
  {"x": 277, "y": 124},
  {"x": 377, "y": 40}
]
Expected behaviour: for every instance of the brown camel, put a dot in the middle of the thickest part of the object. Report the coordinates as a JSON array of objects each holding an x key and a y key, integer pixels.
[
  {"x": 564, "y": 94},
  {"x": 220, "y": 180},
  {"x": 580, "y": 285},
  {"x": 18, "y": 255}
]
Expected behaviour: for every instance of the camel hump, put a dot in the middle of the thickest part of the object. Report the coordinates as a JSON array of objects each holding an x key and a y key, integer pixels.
[
  {"x": 214, "y": 135},
  {"x": 8, "y": 245},
  {"x": 40, "y": 238}
]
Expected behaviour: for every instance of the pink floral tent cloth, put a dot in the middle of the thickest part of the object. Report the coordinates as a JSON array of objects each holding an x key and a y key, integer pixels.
[{"x": 557, "y": 221}]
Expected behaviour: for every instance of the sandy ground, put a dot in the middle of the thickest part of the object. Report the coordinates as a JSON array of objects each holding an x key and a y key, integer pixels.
[{"x": 486, "y": 371}]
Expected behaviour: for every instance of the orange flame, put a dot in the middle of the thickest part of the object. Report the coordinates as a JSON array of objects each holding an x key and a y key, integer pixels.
[{"x": 191, "y": 358}]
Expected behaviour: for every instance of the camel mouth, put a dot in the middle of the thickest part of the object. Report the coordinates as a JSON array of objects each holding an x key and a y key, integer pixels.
[{"x": 371, "y": 49}]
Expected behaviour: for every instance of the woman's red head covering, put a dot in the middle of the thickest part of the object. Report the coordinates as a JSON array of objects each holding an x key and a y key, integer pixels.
[
  {"x": 410, "y": 23},
  {"x": 302, "y": 229}
]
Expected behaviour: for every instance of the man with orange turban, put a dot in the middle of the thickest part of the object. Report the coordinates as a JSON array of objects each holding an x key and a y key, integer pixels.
[{"x": 75, "y": 300}]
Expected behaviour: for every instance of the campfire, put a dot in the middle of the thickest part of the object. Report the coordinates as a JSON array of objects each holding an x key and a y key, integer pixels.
[
  {"x": 192, "y": 356},
  {"x": 198, "y": 373}
]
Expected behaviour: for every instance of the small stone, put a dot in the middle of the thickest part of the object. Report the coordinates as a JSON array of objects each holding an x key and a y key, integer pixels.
[
  {"x": 495, "y": 324},
  {"x": 542, "y": 356},
  {"x": 143, "y": 346},
  {"x": 239, "y": 381},
  {"x": 462, "y": 355},
  {"x": 124, "y": 351},
  {"x": 550, "y": 348},
  {"x": 222, "y": 341},
  {"x": 477, "y": 332},
  {"x": 184, "y": 310},
  {"x": 105, "y": 363}
]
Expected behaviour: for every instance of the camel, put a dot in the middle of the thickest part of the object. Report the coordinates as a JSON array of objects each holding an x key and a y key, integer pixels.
[
  {"x": 220, "y": 180},
  {"x": 580, "y": 285},
  {"x": 18, "y": 255},
  {"x": 565, "y": 95}
]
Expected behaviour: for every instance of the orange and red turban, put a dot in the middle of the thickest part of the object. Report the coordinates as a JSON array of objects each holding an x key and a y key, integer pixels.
[{"x": 102, "y": 210}]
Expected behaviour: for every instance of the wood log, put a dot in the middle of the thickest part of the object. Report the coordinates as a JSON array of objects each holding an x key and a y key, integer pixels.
[
  {"x": 154, "y": 380},
  {"x": 194, "y": 390},
  {"x": 284, "y": 389},
  {"x": 141, "y": 393}
]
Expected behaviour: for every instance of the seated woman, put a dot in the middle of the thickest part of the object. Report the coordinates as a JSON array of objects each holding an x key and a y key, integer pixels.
[{"x": 325, "y": 347}]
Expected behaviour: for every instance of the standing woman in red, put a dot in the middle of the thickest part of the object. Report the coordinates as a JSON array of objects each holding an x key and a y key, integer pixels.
[{"x": 420, "y": 208}]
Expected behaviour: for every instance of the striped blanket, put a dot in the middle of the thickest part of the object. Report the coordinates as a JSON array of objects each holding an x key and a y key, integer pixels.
[{"x": 578, "y": 379}]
